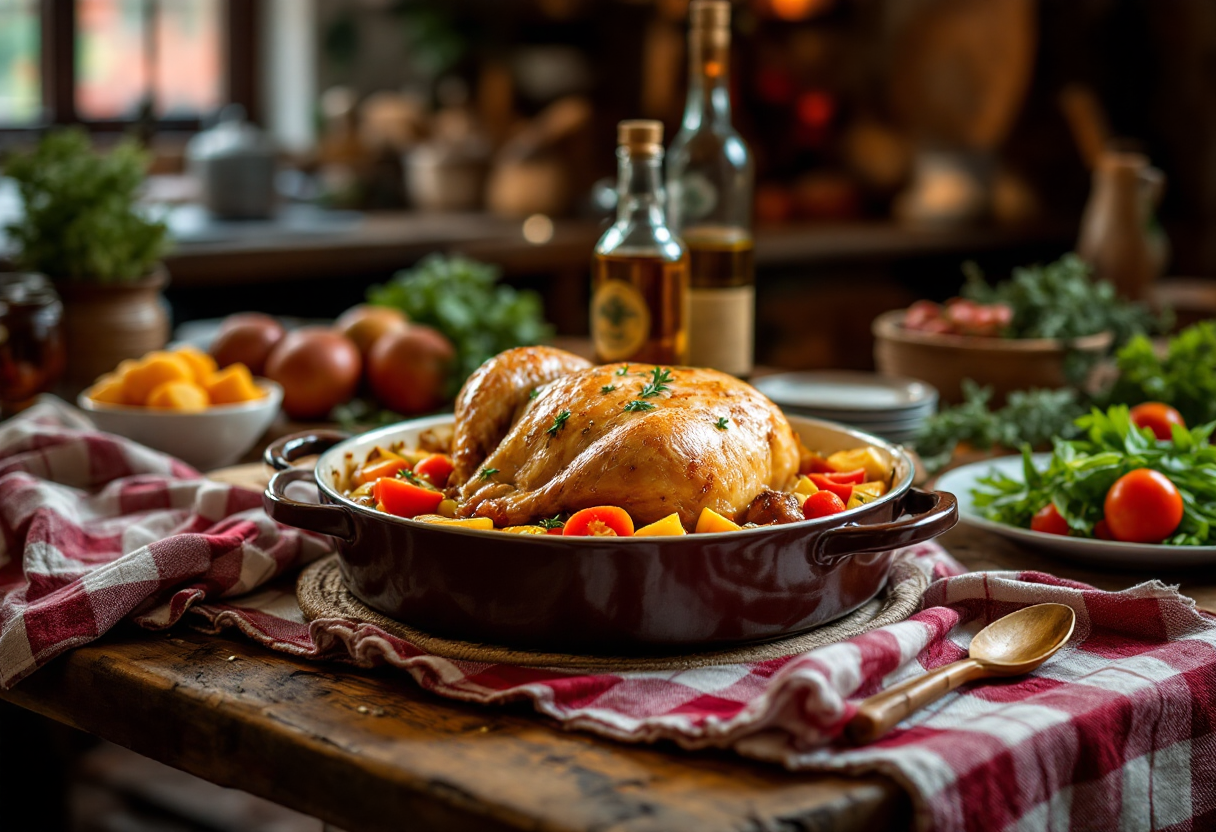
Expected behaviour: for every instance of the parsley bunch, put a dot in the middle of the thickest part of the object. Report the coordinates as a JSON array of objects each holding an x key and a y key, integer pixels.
[
  {"x": 463, "y": 299},
  {"x": 1081, "y": 471}
]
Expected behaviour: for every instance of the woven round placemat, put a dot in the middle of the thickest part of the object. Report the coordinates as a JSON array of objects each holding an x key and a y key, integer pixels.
[{"x": 322, "y": 594}]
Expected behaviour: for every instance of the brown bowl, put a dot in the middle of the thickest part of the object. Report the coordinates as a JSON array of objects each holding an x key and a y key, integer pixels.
[
  {"x": 1005, "y": 364},
  {"x": 606, "y": 595}
]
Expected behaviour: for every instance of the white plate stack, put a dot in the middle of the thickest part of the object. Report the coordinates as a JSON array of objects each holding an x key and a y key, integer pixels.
[{"x": 892, "y": 408}]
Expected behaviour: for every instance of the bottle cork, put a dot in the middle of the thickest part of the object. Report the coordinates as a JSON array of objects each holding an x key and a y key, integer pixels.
[
  {"x": 640, "y": 136},
  {"x": 709, "y": 14}
]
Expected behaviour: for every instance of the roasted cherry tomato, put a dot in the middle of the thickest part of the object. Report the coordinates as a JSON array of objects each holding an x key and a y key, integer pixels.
[
  {"x": 436, "y": 469},
  {"x": 1143, "y": 506},
  {"x": 1158, "y": 418},
  {"x": 387, "y": 467},
  {"x": 1048, "y": 520},
  {"x": 821, "y": 504},
  {"x": 600, "y": 521},
  {"x": 816, "y": 464},
  {"x": 854, "y": 477},
  {"x": 843, "y": 490},
  {"x": 405, "y": 499}
]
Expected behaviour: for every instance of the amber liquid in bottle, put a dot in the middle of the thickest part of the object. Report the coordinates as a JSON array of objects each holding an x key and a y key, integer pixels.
[{"x": 639, "y": 308}]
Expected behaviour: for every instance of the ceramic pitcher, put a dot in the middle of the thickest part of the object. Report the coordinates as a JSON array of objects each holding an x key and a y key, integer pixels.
[{"x": 1118, "y": 237}]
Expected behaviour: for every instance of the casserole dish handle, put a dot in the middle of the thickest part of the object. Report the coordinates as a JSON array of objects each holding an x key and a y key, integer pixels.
[
  {"x": 930, "y": 513},
  {"x": 314, "y": 517},
  {"x": 286, "y": 450}
]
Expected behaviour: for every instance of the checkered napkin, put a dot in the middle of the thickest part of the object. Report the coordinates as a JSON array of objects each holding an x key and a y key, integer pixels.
[{"x": 1115, "y": 732}]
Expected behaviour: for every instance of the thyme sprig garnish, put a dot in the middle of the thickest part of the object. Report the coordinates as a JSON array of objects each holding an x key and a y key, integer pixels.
[
  {"x": 559, "y": 421},
  {"x": 409, "y": 476},
  {"x": 659, "y": 379},
  {"x": 554, "y": 522},
  {"x": 722, "y": 424},
  {"x": 623, "y": 370},
  {"x": 486, "y": 473},
  {"x": 638, "y": 406},
  {"x": 607, "y": 388},
  {"x": 535, "y": 392}
]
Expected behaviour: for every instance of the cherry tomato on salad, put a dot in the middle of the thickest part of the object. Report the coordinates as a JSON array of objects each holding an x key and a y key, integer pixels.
[
  {"x": 1048, "y": 521},
  {"x": 405, "y": 499},
  {"x": 1143, "y": 506},
  {"x": 436, "y": 469},
  {"x": 1158, "y": 418},
  {"x": 843, "y": 490},
  {"x": 822, "y": 504},
  {"x": 600, "y": 521}
]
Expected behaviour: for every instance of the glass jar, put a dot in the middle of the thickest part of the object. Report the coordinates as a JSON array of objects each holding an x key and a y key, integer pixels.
[{"x": 31, "y": 339}]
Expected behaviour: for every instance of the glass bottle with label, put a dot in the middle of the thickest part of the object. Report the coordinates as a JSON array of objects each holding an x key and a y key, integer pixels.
[
  {"x": 710, "y": 177},
  {"x": 639, "y": 272}
]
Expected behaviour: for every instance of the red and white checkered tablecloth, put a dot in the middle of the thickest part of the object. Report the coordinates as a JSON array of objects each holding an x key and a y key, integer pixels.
[{"x": 1115, "y": 732}]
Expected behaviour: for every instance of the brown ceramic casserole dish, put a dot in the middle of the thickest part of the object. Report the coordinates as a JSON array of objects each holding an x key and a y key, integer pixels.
[{"x": 607, "y": 594}]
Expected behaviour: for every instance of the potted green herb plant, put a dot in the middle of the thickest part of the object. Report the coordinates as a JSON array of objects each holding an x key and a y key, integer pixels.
[{"x": 81, "y": 227}]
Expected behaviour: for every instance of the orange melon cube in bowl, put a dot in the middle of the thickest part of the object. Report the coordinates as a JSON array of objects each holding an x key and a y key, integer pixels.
[
  {"x": 150, "y": 372},
  {"x": 232, "y": 385},
  {"x": 108, "y": 390},
  {"x": 182, "y": 396},
  {"x": 200, "y": 362}
]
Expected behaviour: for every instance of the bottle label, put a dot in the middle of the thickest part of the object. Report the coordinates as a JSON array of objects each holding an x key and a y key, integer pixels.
[
  {"x": 722, "y": 329},
  {"x": 620, "y": 320},
  {"x": 695, "y": 196}
]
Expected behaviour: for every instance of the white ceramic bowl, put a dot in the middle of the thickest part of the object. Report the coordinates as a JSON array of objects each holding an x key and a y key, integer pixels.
[{"x": 216, "y": 437}]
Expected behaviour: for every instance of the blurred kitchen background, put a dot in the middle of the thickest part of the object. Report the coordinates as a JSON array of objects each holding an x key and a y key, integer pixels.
[{"x": 893, "y": 138}]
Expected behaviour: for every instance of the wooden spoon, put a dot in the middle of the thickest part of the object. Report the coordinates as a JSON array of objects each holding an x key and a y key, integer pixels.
[{"x": 1009, "y": 646}]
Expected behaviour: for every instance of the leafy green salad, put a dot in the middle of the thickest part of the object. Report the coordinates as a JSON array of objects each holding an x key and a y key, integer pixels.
[{"x": 1115, "y": 481}]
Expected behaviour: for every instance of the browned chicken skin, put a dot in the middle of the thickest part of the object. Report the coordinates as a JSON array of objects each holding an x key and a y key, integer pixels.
[
  {"x": 495, "y": 395},
  {"x": 575, "y": 445}
]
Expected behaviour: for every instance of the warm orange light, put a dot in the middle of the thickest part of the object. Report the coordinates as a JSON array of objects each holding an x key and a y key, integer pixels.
[{"x": 798, "y": 9}]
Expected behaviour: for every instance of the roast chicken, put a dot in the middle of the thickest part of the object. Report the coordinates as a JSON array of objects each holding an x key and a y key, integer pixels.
[{"x": 540, "y": 432}]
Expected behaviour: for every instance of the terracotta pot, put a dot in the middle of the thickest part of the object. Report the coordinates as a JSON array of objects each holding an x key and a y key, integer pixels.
[
  {"x": 1005, "y": 364},
  {"x": 105, "y": 324},
  {"x": 605, "y": 595}
]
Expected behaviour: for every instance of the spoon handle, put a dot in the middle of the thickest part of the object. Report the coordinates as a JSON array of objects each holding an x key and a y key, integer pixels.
[{"x": 879, "y": 713}]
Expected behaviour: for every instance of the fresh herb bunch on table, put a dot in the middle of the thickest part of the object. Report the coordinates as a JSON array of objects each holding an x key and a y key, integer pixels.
[
  {"x": 464, "y": 300},
  {"x": 1031, "y": 417},
  {"x": 1081, "y": 472},
  {"x": 1061, "y": 300}
]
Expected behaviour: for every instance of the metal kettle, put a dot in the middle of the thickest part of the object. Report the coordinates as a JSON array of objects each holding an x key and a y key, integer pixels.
[{"x": 234, "y": 164}]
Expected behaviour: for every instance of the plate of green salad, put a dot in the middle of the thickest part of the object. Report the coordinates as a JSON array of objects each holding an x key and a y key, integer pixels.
[{"x": 1135, "y": 488}]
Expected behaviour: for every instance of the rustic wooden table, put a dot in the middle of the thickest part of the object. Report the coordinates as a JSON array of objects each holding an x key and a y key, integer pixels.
[{"x": 369, "y": 751}]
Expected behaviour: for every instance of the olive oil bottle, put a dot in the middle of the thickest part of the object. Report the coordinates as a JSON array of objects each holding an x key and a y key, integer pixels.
[
  {"x": 710, "y": 178},
  {"x": 639, "y": 272}
]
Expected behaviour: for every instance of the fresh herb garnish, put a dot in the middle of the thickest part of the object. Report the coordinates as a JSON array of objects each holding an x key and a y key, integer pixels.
[
  {"x": 1030, "y": 417},
  {"x": 623, "y": 371},
  {"x": 1081, "y": 472},
  {"x": 638, "y": 406},
  {"x": 554, "y": 522},
  {"x": 535, "y": 392},
  {"x": 1184, "y": 379},
  {"x": 607, "y": 388},
  {"x": 722, "y": 423},
  {"x": 410, "y": 476},
  {"x": 486, "y": 473},
  {"x": 558, "y": 422},
  {"x": 659, "y": 379}
]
